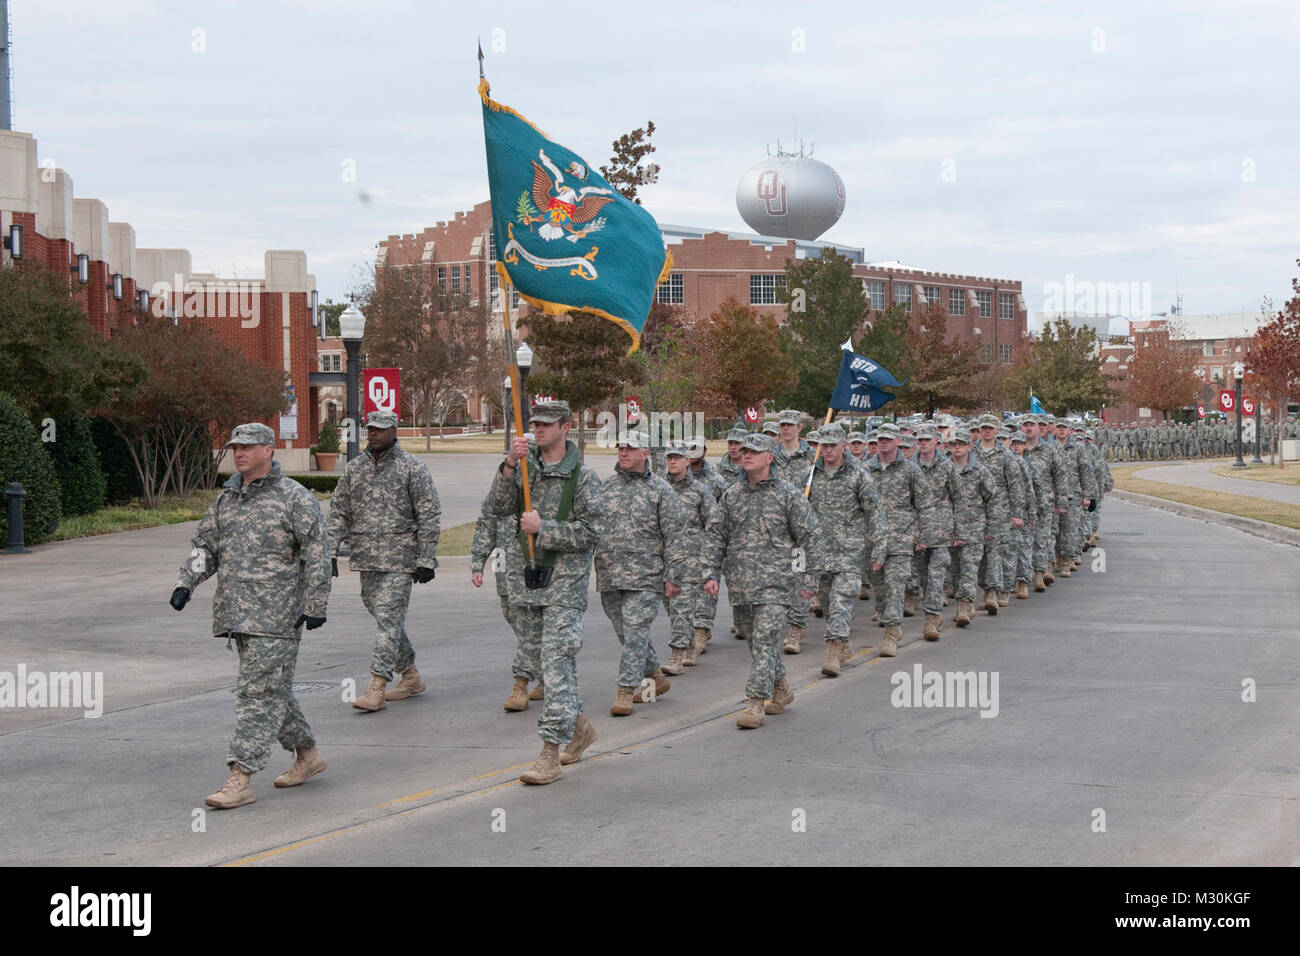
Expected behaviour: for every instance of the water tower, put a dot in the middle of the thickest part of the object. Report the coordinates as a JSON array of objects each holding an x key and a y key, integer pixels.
[{"x": 790, "y": 195}]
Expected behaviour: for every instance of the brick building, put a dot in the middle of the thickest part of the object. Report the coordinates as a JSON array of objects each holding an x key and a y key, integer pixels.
[
  {"x": 710, "y": 266},
  {"x": 268, "y": 319}
]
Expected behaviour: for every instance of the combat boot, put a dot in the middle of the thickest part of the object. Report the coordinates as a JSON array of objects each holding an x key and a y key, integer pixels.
[
  {"x": 889, "y": 646},
  {"x": 834, "y": 656},
  {"x": 689, "y": 654},
  {"x": 846, "y": 650},
  {"x": 235, "y": 792},
  {"x": 875, "y": 619},
  {"x": 661, "y": 686},
  {"x": 864, "y": 592},
  {"x": 910, "y": 604},
  {"x": 1048, "y": 576},
  {"x": 932, "y": 622},
  {"x": 518, "y": 699},
  {"x": 991, "y": 601},
  {"x": 815, "y": 605},
  {"x": 1022, "y": 590},
  {"x": 675, "y": 664},
  {"x": 1065, "y": 568},
  {"x": 736, "y": 633},
  {"x": 547, "y": 769},
  {"x": 308, "y": 763},
  {"x": 622, "y": 702},
  {"x": 1004, "y": 598},
  {"x": 701, "y": 640},
  {"x": 793, "y": 638},
  {"x": 752, "y": 716},
  {"x": 538, "y": 692},
  {"x": 373, "y": 698},
  {"x": 584, "y": 735},
  {"x": 948, "y": 591},
  {"x": 965, "y": 611},
  {"x": 409, "y": 685},
  {"x": 782, "y": 697},
  {"x": 1040, "y": 581}
]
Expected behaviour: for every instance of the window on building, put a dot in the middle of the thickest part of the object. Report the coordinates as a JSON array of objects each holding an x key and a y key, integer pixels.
[
  {"x": 1004, "y": 354},
  {"x": 957, "y": 305},
  {"x": 494, "y": 290},
  {"x": 933, "y": 295},
  {"x": 492, "y": 245},
  {"x": 763, "y": 287},
  {"x": 1006, "y": 305},
  {"x": 876, "y": 294},
  {"x": 672, "y": 292},
  {"x": 986, "y": 354},
  {"x": 903, "y": 295},
  {"x": 442, "y": 279},
  {"x": 1216, "y": 372},
  {"x": 455, "y": 280},
  {"x": 1209, "y": 348},
  {"x": 469, "y": 282},
  {"x": 985, "y": 300}
]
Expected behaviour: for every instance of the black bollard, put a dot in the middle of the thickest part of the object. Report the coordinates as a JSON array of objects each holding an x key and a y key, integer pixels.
[{"x": 14, "y": 495}]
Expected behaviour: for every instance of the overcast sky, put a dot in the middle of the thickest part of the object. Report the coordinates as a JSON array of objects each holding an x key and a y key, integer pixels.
[{"x": 1113, "y": 142}]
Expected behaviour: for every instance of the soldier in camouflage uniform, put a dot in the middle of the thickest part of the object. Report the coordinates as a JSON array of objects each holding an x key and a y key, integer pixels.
[
  {"x": 1017, "y": 557},
  {"x": 386, "y": 507},
  {"x": 689, "y": 637},
  {"x": 1079, "y": 482},
  {"x": 899, "y": 483},
  {"x": 848, "y": 513},
  {"x": 265, "y": 540},
  {"x": 701, "y": 470},
  {"x": 763, "y": 536},
  {"x": 490, "y": 534},
  {"x": 639, "y": 558},
  {"x": 1044, "y": 458},
  {"x": 793, "y": 461},
  {"x": 934, "y": 518},
  {"x": 728, "y": 465},
  {"x": 1038, "y": 506},
  {"x": 552, "y": 614},
  {"x": 1006, "y": 516},
  {"x": 976, "y": 495}
]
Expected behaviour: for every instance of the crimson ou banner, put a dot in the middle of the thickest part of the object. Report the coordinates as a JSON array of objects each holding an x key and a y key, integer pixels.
[{"x": 382, "y": 388}]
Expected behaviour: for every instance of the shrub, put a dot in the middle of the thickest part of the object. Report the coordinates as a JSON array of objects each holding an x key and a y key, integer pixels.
[
  {"x": 77, "y": 463},
  {"x": 23, "y": 459}
]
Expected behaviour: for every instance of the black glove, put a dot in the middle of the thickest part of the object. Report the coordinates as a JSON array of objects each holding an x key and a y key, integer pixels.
[
  {"x": 423, "y": 575},
  {"x": 334, "y": 567},
  {"x": 180, "y": 598},
  {"x": 312, "y": 622}
]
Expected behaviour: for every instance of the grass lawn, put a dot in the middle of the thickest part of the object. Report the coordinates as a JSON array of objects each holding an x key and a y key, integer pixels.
[
  {"x": 478, "y": 446},
  {"x": 133, "y": 516},
  {"x": 1279, "y": 476},
  {"x": 1274, "y": 512},
  {"x": 456, "y": 540}
]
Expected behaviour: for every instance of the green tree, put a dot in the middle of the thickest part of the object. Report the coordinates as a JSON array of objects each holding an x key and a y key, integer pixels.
[
  {"x": 741, "y": 361},
  {"x": 825, "y": 305},
  {"x": 82, "y": 481},
  {"x": 23, "y": 459},
  {"x": 330, "y": 311},
  {"x": 1061, "y": 366},
  {"x": 936, "y": 372},
  {"x": 883, "y": 342}
]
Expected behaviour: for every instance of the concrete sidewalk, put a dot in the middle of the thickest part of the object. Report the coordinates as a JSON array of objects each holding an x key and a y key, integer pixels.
[{"x": 1197, "y": 474}]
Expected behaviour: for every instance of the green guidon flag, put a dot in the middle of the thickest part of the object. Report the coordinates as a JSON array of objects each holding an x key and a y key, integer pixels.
[{"x": 566, "y": 239}]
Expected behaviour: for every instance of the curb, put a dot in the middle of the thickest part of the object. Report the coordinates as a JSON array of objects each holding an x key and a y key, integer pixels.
[{"x": 1262, "y": 529}]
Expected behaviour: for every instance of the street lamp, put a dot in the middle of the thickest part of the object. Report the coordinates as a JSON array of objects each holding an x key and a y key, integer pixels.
[
  {"x": 352, "y": 326},
  {"x": 1238, "y": 371},
  {"x": 524, "y": 359}
]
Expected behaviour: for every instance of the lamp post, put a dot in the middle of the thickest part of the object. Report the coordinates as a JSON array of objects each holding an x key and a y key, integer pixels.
[
  {"x": 1259, "y": 433},
  {"x": 505, "y": 411},
  {"x": 524, "y": 359},
  {"x": 352, "y": 326},
  {"x": 1238, "y": 371}
]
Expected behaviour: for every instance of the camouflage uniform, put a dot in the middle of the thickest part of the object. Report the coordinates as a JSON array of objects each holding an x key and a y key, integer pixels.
[
  {"x": 491, "y": 533},
  {"x": 1010, "y": 503},
  {"x": 937, "y": 489},
  {"x": 553, "y": 615},
  {"x": 387, "y": 509},
  {"x": 752, "y": 538},
  {"x": 642, "y": 545},
  {"x": 895, "y": 541},
  {"x": 266, "y": 542},
  {"x": 1038, "y": 504},
  {"x": 976, "y": 494},
  {"x": 793, "y": 467},
  {"x": 687, "y": 609},
  {"x": 848, "y": 513},
  {"x": 1079, "y": 481}
]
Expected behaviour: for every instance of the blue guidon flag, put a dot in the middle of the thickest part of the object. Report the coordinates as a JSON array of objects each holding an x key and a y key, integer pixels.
[
  {"x": 566, "y": 239},
  {"x": 858, "y": 388}
]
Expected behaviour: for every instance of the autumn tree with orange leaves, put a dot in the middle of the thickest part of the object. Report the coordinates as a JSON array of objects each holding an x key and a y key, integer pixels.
[{"x": 1162, "y": 373}]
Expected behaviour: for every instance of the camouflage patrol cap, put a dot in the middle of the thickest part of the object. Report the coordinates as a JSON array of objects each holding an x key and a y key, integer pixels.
[
  {"x": 1019, "y": 438},
  {"x": 789, "y": 416},
  {"x": 814, "y": 437},
  {"x": 1088, "y": 433},
  {"x": 253, "y": 433},
  {"x": 887, "y": 430},
  {"x": 832, "y": 434},
  {"x": 677, "y": 449},
  {"x": 770, "y": 428},
  {"x": 632, "y": 439},
  {"x": 757, "y": 441},
  {"x": 381, "y": 419},
  {"x": 927, "y": 431},
  {"x": 872, "y": 437},
  {"x": 988, "y": 418},
  {"x": 906, "y": 441},
  {"x": 859, "y": 438},
  {"x": 548, "y": 413},
  {"x": 737, "y": 434},
  {"x": 960, "y": 437}
]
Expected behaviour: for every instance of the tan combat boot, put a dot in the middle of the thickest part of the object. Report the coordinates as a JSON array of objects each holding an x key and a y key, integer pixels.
[
  {"x": 1048, "y": 576},
  {"x": 689, "y": 655},
  {"x": 235, "y": 792},
  {"x": 1004, "y": 598},
  {"x": 792, "y": 639},
  {"x": 735, "y": 632},
  {"x": 991, "y": 601},
  {"x": 1022, "y": 590},
  {"x": 864, "y": 592},
  {"x": 547, "y": 769},
  {"x": 701, "y": 640},
  {"x": 932, "y": 622},
  {"x": 1065, "y": 567},
  {"x": 1040, "y": 582},
  {"x": 308, "y": 764},
  {"x": 910, "y": 604},
  {"x": 518, "y": 699},
  {"x": 889, "y": 646},
  {"x": 584, "y": 735},
  {"x": 538, "y": 692},
  {"x": 834, "y": 656},
  {"x": 875, "y": 619},
  {"x": 661, "y": 686},
  {"x": 948, "y": 591},
  {"x": 815, "y": 606},
  {"x": 675, "y": 663},
  {"x": 409, "y": 685},
  {"x": 752, "y": 716},
  {"x": 373, "y": 698},
  {"x": 622, "y": 702},
  {"x": 846, "y": 651},
  {"x": 965, "y": 611},
  {"x": 782, "y": 697}
]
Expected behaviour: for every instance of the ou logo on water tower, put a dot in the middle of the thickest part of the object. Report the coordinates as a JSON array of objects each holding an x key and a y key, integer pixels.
[{"x": 383, "y": 388}]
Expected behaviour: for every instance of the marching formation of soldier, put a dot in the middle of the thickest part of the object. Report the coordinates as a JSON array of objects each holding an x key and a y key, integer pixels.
[
  {"x": 977, "y": 512},
  {"x": 1172, "y": 441}
]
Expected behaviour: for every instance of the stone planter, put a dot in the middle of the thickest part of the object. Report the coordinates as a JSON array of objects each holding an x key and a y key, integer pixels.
[{"x": 326, "y": 460}]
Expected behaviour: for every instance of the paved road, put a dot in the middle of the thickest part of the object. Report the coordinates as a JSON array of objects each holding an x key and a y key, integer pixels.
[
  {"x": 1118, "y": 690},
  {"x": 1197, "y": 474}
]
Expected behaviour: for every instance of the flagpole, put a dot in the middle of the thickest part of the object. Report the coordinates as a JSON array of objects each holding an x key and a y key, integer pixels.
[
  {"x": 519, "y": 417},
  {"x": 807, "y": 488}
]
